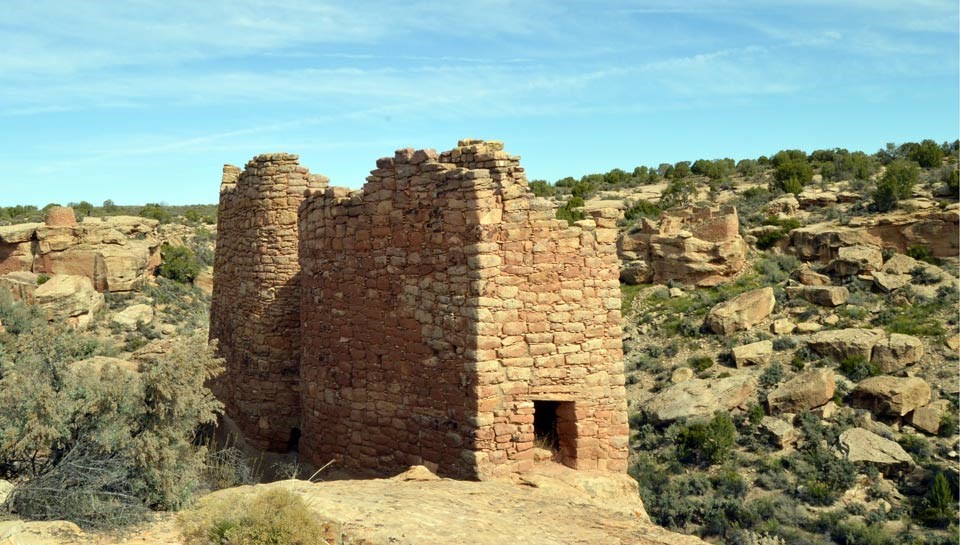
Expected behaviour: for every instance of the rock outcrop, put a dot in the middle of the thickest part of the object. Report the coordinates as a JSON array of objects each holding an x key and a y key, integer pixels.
[
  {"x": 742, "y": 312},
  {"x": 937, "y": 230},
  {"x": 700, "y": 247},
  {"x": 700, "y": 398},
  {"x": 860, "y": 445},
  {"x": 70, "y": 298},
  {"x": 803, "y": 392},
  {"x": 889, "y": 353},
  {"x": 891, "y": 396},
  {"x": 116, "y": 253}
]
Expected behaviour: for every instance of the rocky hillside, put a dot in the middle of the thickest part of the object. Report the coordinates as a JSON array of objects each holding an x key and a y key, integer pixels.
[{"x": 792, "y": 356}]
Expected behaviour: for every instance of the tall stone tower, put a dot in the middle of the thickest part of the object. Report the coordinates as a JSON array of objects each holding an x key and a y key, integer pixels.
[{"x": 256, "y": 296}]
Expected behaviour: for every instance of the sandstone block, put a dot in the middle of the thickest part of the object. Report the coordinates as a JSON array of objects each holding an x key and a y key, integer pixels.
[
  {"x": 803, "y": 392},
  {"x": 742, "y": 312},
  {"x": 891, "y": 396},
  {"x": 757, "y": 353}
]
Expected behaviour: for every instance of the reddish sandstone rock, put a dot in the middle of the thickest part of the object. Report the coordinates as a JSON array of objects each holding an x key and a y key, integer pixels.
[
  {"x": 60, "y": 216},
  {"x": 891, "y": 396}
]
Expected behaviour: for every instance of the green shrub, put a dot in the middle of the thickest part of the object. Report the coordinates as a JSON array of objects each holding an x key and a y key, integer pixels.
[
  {"x": 157, "y": 212},
  {"x": 896, "y": 184},
  {"x": 96, "y": 444},
  {"x": 858, "y": 533},
  {"x": 178, "y": 263},
  {"x": 922, "y": 252},
  {"x": 791, "y": 171},
  {"x": 699, "y": 363},
  {"x": 917, "y": 446},
  {"x": 642, "y": 209},
  {"x": 857, "y": 368},
  {"x": 939, "y": 508},
  {"x": 707, "y": 443},
  {"x": 772, "y": 375},
  {"x": 924, "y": 277},
  {"x": 572, "y": 211},
  {"x": 927, "y": 154},
  {"x": 679, "y": 192},
  {"x": 541, "y": 188},
  {"x": 271, "y": 517}
]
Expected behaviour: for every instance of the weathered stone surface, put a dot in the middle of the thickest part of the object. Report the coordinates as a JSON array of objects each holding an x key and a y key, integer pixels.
[
  {"x": 636, "y": 271},
  {"x": 953, "y": 342},
  {"x": 803, "y": 392},
  {"x": 897, "y": 352},
  {"x": 60, "y": 216},
  {"x": 825, "y": 296},
  {"x": 742, "y": 312},
  {"x": 21, "y": 285},
  {"x": 928, "y": 417},
  {"x": 805, "y": 328},
  {"x": 860, "y": 445},
  {"x": 700, "y": 247},
  {"x": 117, "y": 253},
  {"x": 700, "y": 397},
  {"x": 841, "y": 344},
  {"x": 935, "y": 229},
  {"x": 71, "y": 298},
  {"x": 783, "y": 326},
  {"x": 814, "y": 198},
  {"x": 781, "y": 433},
  {"x": 853, "y": 260},
  {"x": 786, "y": 205},
  {"x": 900, "y": 264},
  {"x": 888, "y": 282},
  {"x": 681, "y": 374},
  {"x": 891, "y": 396},
  {"x": 332, "y": 305},
  {"x": 752, "y": 354},
  {"x": 808, "y": 277},
  {"x": 133, "y": 315}
]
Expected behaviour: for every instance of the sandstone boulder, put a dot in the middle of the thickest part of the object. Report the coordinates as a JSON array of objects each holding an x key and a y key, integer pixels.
[
  {"x": 814, "y": 198},
  {"x": 899, "y": 264},
  {"x": 700, "y": 397},
  {"x": 21, "y": 285},
  {"x": 853, "y": 260},
  {"x": 742, "y": 312},
  {"x": 636, "y": 271},
  {"x": 681, "y": 374},
  {"x": 860, "y": 445},
  {"x": 897, "y": 352},
  {"x": 757, "y": 353},
  {"x": 825, "y": 296},
  {"x": 891, "y": 396},
  {"x": 841, "y": 344},
  {"x": 68, "y": 297},
  {"x": 783, "y": 326},
  {"x": 786, "y": 205},
  {"x": 16, "y": 247},
  {"x": 131, "y": 316},
  {"x": 928, "y": 417},
  {"x": 888, "y": 282},
  {"x": 781, "y": 433},
  {"x": 805, "y": 328},
  {"x": 808, "y": 277},
  {"x": 803, "y": 392}
]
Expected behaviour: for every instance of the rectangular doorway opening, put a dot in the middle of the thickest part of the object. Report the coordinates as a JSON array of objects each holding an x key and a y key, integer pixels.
[{"x": 554, "y": 428}]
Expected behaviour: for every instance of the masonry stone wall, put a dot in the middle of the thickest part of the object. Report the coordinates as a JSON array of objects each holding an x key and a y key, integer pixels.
[
  {"x": 255, "y": 311},
  {"x": 444, "y": 311}
]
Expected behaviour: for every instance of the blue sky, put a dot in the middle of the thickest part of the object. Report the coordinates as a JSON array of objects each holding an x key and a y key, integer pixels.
[{"x": 144, "y": 101}]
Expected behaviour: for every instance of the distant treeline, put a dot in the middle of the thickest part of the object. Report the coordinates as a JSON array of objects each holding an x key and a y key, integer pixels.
[
  {"x": 792, "y": 169},
  {"x": 164, "y": 213}
]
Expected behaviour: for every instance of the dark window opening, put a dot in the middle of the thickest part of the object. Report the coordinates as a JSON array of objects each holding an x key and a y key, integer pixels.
[
  {"x": 293, "y": 444},
  {"x": 545, "y": 432}
]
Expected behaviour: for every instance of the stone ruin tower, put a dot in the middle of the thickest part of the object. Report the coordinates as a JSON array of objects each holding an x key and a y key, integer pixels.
[{"x": 441, "y": 316}]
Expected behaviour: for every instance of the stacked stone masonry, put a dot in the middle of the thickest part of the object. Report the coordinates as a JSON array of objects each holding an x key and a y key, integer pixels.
[{"x": 438, "y": 316}]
